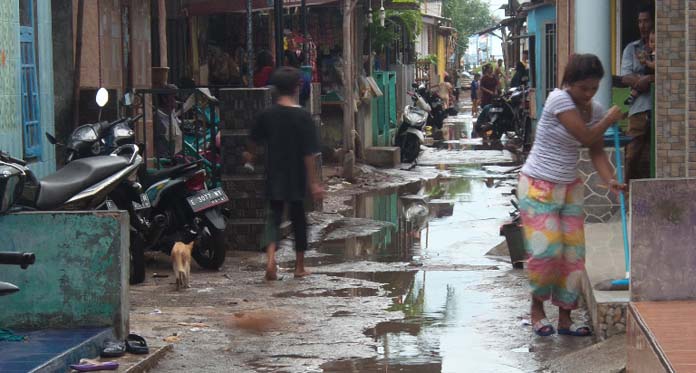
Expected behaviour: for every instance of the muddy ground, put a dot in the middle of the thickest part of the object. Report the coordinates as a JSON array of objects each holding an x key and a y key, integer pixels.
[{"x": 401, "y": 282}]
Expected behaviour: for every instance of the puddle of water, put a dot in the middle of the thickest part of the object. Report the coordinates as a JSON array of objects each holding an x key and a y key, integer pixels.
[
  {"x": 455, "y": 321},
  {"x": 458, "y": 225},
  {"x": 343, "y": 293}
]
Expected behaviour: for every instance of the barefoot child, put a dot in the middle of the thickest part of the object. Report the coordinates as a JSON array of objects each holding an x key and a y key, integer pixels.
[
  {"x": 291, "y": 141},
  {"x": 474, "y": 95}
]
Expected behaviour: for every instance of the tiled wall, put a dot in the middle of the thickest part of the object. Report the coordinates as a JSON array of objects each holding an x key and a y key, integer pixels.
[
  {"x": 600, "y": 203},
  {"x": 10, "y": 104},
  {"x": 675, "y": 92}
]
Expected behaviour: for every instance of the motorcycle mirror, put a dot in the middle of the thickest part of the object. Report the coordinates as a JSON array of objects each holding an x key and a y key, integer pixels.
[
  {"x": 102, "y": 97},
  {"x": 51, "y": 139}
]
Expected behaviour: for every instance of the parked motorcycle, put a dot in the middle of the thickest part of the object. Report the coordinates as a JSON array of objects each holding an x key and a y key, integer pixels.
[
  {"x": 409, "y": 136},
  {"x": 178, "y": 206},
  {"x": 84, "y": 184},
  {"x": 438, "y": 112},
  {"x": 168, "y": 205},
  {"x": 507, "y": 115}
]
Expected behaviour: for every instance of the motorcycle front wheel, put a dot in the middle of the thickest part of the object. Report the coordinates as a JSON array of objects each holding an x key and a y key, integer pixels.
[
  {"x": 209, "y": 250},
  {"x": 410, "y": 148},
  {"x": 137, "y": 259}
]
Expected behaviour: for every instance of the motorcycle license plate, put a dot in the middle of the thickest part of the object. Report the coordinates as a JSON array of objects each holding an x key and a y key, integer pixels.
[
  {"x": 207, "y": 199},
  {"x": 496, "y": 110},
  {"x": 144, "y": 203}
]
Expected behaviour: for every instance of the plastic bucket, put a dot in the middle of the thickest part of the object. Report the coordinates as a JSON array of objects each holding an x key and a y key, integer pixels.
[{"x": 515, "y": 242}]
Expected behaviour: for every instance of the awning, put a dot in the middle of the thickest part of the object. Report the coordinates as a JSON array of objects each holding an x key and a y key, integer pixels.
[{"x": 211, "y": 7}]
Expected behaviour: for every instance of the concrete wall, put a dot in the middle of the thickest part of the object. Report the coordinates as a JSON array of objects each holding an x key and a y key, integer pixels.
[
  {"x": 675, "y": 89},
  {"x": 663, "y": 232},
  {"x": 80, "y": 278},
  {"x": 11, "y": 130}
]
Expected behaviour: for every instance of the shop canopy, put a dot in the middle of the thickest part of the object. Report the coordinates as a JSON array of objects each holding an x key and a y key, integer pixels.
[{"x": 211, "y": 7}]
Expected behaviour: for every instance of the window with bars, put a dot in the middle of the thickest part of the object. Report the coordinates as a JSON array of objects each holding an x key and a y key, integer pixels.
[
  {"x": 31, "y": 118},
  {"x": 549, "y": 58}
]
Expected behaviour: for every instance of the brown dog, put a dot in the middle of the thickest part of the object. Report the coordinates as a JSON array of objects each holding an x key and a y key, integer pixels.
[{"x": 181, "y": 262}]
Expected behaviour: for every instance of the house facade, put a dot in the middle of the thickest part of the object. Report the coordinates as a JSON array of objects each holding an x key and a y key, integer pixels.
[{"x": 26, "y": 82}]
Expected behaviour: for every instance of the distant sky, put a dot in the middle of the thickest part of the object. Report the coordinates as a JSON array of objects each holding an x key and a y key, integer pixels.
[{"x": 494, "y": 5}]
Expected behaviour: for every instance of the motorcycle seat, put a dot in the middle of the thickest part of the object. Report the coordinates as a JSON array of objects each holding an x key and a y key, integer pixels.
[
  {"x": 150, "y": 177},
  {"x": 76, "y": 176}
]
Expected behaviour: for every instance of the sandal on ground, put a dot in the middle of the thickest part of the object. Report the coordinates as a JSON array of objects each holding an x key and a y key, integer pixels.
[
  {"x": 136, "y": 344},
  {"x": 87, "y": 365},
  {"x": 113, "y": 349},
  {"x": 576, "y": 330},
  {"x": 543, "y": 328}
]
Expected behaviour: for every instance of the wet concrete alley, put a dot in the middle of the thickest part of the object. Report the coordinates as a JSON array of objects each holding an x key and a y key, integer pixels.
[{"x": 401, "y": 282}]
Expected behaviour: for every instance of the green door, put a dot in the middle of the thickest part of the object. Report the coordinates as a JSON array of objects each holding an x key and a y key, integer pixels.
[{"x": 384, "y": 109}]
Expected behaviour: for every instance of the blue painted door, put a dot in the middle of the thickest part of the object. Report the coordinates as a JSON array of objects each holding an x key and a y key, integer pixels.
[{"x": 31, "y": 121}]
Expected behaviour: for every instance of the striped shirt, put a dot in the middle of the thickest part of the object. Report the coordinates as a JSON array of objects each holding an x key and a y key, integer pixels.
[{"x": 554, "y": 156}]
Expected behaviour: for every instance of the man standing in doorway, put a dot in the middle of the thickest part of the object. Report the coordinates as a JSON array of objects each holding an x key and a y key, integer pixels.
[{"x": 633, "y": 75}]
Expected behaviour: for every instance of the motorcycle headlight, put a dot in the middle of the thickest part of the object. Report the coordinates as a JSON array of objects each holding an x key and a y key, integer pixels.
[
  {"x": 85, "y": 133},
  {"x": 414, "y": 116}
]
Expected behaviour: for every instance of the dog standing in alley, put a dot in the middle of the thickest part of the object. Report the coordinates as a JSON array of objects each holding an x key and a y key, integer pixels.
[{"x": 181, "y": 262}]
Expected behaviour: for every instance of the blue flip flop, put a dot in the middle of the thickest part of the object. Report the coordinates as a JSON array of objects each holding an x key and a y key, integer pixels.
[
  {"x": 543, "y": 328},
  {"x": 576, "y": 330}
]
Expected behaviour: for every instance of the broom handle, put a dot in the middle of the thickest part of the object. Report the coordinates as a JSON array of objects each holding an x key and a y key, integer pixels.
[{"x": 622, "y": 199}]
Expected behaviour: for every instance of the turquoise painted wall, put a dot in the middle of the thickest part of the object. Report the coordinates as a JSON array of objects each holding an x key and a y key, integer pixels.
[
  {"x": 10, "y": 84},
  {"x": 536, "y": 20},
  {"x": 80, "y": 278}
]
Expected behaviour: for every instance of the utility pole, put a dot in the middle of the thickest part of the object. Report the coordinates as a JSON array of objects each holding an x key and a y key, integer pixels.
[
  {"x": 348, "y": 100},
  {"x": 78, "y": 60},
  {"x": 250, "y": 44},
  {"x": 162, "y": 22},
  {"x": 305, "y": 50},
  {"x": 278, "y": 11}
]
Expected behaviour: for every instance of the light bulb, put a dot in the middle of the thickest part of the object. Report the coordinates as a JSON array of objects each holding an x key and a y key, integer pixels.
[{"x": 382, "y": 16}]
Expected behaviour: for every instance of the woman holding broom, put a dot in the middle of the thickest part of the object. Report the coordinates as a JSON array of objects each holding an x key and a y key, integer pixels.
[{"x": 551, "y": 194}]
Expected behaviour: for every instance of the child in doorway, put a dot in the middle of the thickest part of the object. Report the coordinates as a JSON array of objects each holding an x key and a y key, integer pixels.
[
  {"x": 646, "y": 58},
  {"x": 474, "y": 95}
]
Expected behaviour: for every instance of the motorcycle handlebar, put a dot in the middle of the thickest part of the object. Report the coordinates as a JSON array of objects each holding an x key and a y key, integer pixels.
[
  {"x": 23, "y": 260},
  {"x": 8, "y": 158}
]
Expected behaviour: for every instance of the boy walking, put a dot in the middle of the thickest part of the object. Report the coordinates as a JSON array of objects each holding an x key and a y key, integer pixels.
[
  {"x": 291, "y": 140},
  {"x": 475, "y": 95}
]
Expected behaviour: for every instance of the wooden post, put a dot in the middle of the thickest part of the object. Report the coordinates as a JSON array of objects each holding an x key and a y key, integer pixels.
[
  {"x": 250, "y": 44},
  {"x": 162, "y": 18},
  {"x": 348, "y": 100},
  {"x": 78, "y": 60}
]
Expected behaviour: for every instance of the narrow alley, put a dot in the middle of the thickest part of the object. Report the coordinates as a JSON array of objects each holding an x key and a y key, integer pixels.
[{"x": 405, "y": 278}]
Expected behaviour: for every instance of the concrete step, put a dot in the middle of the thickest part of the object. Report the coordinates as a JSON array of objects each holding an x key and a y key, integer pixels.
[
  {"x": 383, "y": 156},
  {"x": 51, "y": 350},
  {"x": 608, "y": 356}
]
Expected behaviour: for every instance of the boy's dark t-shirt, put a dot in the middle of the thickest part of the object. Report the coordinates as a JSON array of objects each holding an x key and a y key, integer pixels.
[{"x": 289, "y": 135}]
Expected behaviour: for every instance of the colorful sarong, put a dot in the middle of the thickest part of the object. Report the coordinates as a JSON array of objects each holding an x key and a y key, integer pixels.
[{"x": 553, "y": 220}]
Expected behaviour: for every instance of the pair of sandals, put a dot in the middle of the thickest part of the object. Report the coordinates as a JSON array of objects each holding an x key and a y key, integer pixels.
[
  {"x": 133, "y": 344},
  {"x": 544, "y": 328}
]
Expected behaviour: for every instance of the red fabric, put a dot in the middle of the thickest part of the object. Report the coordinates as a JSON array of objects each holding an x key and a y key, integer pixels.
[
  {"x": 490, "y": 83},
  {"x": 261, "y": 78}
]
